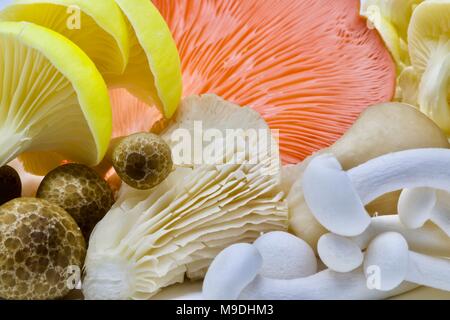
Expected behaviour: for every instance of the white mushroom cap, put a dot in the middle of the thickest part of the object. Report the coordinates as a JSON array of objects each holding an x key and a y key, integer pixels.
[
  {"x": 333, "y": 200},
  {"x": 285, "y": 256},
  {"x": 387, "y": 259},
  {"x": 415, "y": 206},
  {"x": 440, "y": 214},
  {"x": 338, "y": 253},
  {"x": 231, "y": 271}
]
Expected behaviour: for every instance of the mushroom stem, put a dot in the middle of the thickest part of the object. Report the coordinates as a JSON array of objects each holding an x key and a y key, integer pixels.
[
  {"x": 142, "y": 160},
  {"x": 428, "y": 271},
  {"x": 417, "y": 206},
  {"x": 325, "y": 285},
  {"x": 429, "y": 239},
  {"x": 336, "y": 197},
  {"x": 12, "y": 144},
  {"x": 400, "y": 170}
]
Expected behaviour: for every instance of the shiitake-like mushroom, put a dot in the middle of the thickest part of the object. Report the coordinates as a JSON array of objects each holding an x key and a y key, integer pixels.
[
  {"x": 80, "y": 191},
  {"x": 40, "y": 245}
]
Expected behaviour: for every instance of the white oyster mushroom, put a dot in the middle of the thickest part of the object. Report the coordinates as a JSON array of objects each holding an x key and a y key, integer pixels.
[
  {"x": 417, "y": 206},
  {"x": 338, "y": 253},
  {"x": 389, "y": 262},
  {"x": 152, "y": 239},
  {"x": 336, "y": 197},
  {"x": 285, "y": 256},
  {"x": 231, "y": 271}
]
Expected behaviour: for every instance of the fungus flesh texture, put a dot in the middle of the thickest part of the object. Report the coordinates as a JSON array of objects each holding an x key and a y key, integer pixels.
[
  {"x": 131, "y": 46},
  {"x": 47, "y": 103},
  {"x": 429, "y": 48},
  {"x": 308, "y": 67},
  {"x": 404, "y": 128},
  {"x": 152, "y": 239}
]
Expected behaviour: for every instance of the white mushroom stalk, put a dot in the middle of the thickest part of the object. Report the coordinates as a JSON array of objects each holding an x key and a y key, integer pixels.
[
  {"x": 235, "y": 266},
  {"x": 417, "y": 206},
  {"x": 429, "y": 239},
  {"x": 390, "y": 262},
  {"x": 152, "y": 239},
  {"x": 325, "y": 285},
  {"x": 336, "y": 197}
]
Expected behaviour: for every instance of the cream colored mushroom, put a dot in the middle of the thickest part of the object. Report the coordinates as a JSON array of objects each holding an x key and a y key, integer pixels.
[
  {"x": 381, "y": 129},
  {"x": 152, "y": 239},
  {"x": 337, "y": 198},
  {"x": 417, "y": 206}
]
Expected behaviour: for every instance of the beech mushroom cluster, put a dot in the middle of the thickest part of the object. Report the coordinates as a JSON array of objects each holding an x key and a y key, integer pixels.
[{"x": 365, "y": 257}]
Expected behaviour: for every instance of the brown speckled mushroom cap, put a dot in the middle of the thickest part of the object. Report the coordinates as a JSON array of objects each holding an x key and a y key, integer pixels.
[
  {"x": 39, "y": 241},
  {"x": 80, "y": 191}
]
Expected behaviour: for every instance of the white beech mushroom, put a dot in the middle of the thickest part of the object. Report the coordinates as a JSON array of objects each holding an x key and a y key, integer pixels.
[
  {"x": 152, "y": 239},
  {"x": 285, "y": 256},
  {"x": 231, "y": 271},
  {"x": 345, "y": 254},
  {"x": 326, "y": 284},
  {"x": 389, "y": 257},
  {"x": 381, "y": 129},
  {"x": 417, "y": 206},
  {"x": 365, "y": 183},
  {"x": 338, "y": 253}
]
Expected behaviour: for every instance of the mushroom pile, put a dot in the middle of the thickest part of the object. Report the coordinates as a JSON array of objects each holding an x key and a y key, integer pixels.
[
  {"x": 364, "y": 257},
  {"x": 151, "y": 239}
]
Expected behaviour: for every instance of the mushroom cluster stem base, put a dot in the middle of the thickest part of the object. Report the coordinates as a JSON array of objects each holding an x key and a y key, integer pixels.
[
  {"x": 434, "y": 270},
  {"x": 12, "y": 144}
]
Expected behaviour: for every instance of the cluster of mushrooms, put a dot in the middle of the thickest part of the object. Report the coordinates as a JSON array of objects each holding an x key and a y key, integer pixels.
[{"x": 403, "y": 245}]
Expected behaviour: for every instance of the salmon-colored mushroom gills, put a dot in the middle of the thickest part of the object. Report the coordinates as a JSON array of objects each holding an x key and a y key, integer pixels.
[{"x": 309, "y": 67}]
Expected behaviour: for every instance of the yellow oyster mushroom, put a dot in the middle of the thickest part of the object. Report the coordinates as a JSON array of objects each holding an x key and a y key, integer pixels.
[
  {"x": 429, "y": 48},
  {"x": 153, "y": 73},
  {"x": 97, "y": 27},
  {"x": 49, "y": 102},
  {"x": 391, "y": 19}
]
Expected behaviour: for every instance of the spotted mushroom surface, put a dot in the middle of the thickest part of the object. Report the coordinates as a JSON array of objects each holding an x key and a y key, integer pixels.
[
  {"x": 80, "y": 191},
  {"x": 142, "y": 160},
  {"x": 39, "y": 242}
]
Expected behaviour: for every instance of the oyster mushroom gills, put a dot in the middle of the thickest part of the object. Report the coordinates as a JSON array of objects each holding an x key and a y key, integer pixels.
[
  {"x": 49, "y": 103},
  {"x": 152, "y": 239},
  {"x": 39, "y": 242},
  {"x": 80, "y": 191},
  {"x": 308, "y": 67},
  {"x": 130, "y": 44}
]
